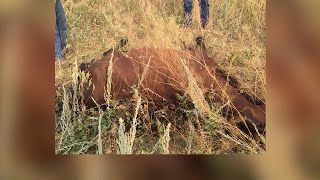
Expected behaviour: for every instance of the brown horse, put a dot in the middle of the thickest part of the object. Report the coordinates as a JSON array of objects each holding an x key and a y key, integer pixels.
[{"x": 160, "y": 74}]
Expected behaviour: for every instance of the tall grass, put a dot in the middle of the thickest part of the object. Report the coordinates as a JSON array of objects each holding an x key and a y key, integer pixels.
[
  {"x": 235, "y": 39},
  {"x": 126, "y": 140}
]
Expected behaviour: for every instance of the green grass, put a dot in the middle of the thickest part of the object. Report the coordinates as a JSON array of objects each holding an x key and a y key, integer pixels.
[{"x": 235, "y": 39}]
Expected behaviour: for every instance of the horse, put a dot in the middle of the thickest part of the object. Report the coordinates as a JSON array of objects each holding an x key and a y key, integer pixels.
[{"x": 159, "y": 74}]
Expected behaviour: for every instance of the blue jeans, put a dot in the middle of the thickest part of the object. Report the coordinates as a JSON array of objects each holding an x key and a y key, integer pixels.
[
  {"x": 60, "y": 30},
  {"x": 204, "y": 10}
]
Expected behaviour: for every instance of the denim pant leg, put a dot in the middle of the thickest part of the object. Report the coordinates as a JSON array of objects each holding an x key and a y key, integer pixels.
[
  {"x": 187, "y": 5},
  {"x": 58, "y": 45},
  {"x": 204, "y": 6},
  {"x": 60, "y": 30}
]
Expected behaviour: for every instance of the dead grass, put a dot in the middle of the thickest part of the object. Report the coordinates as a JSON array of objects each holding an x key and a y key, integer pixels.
[{"x": 235, "y": 39}]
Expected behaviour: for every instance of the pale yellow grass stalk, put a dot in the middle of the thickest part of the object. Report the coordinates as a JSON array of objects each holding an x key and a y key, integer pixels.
[
  {"x": 166, "y": 139},
  {"x": 99, "y": 141},
  {"x": 163, "y": 142},
  {"x": 109, "y": 80},
  {"x": 196, "y": 94},
  {"x": 190, "y": 137},
  {"x": 125, "y": 140},
  {"x": 144, "y": 73}
]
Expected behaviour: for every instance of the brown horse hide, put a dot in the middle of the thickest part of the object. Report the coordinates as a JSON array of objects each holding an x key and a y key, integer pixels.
[{"x": 159, "y": 74}]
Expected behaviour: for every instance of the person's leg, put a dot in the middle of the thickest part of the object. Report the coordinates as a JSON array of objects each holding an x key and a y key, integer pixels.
[
  {"x": 58, "y": 46},
  {"x": 204, "y": 6},
  {"x": 60, "y": 29},
  {"x": 187, "y": 5}
]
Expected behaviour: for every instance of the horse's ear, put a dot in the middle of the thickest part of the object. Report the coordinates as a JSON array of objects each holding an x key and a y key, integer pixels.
[
  {"x": 200, "y": 43},
  {"x": 200, "y": 40},
  {"x": 83, "y": 66},
  {"x": 122, "y": 44}
]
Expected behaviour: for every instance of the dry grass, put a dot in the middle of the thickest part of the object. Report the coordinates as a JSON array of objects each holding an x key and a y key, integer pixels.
[{"x": 234, "y": 37}]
